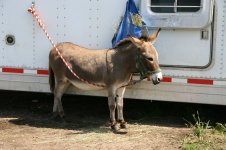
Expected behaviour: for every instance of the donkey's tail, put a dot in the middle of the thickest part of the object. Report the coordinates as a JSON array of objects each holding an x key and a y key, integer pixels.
[{"x": 51, "y": 79}]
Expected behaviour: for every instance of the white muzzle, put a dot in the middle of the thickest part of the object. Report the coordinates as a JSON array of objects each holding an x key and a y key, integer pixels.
[{"x": 156, "y": 78}]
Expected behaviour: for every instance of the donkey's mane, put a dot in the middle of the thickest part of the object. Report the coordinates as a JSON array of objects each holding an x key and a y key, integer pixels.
[
  {"x": 122, "y": 42},
  {"x": 128, "y": 40}
]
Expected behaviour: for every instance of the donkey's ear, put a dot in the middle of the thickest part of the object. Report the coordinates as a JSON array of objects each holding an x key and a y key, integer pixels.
[
  {"x": 136, "y": 41},
  {"x": 154, "y": 36}
]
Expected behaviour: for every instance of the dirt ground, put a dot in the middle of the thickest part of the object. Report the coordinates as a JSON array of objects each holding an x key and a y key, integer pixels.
[{"x": 25, "y": 123}]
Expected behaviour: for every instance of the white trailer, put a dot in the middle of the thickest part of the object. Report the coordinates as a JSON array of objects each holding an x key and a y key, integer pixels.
[{"x": 192, "y": 44}]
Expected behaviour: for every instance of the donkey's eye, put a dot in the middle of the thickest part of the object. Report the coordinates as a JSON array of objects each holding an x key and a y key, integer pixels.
[{"x": 149, "y": 58}]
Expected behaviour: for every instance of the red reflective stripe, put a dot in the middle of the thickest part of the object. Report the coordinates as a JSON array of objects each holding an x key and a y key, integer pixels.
[
  {"x": 200, "y": 81},
  {"x": 46, "y": 72},
  {"x": 166, "y": 79},
  {"x": 13, "y": 70}
]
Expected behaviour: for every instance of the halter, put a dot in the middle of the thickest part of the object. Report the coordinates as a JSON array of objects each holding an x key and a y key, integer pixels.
[{"x": 143, "y": 69}]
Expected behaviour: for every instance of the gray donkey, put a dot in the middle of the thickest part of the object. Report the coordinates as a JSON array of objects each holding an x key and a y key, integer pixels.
[{"x": 110, "y": 69}]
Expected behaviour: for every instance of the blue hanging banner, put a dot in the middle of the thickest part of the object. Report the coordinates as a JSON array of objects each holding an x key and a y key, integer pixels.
[{"x": 131, "y": 24}]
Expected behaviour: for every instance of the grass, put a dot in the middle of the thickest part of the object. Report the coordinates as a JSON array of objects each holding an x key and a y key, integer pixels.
[
  {"x": 189, "y": 146},
  {"x": 220, "y": 127},
  {"x": 200, "y": 127},
  {"x": 210, "y": 141},
  {"x": 204, "y": 136}
]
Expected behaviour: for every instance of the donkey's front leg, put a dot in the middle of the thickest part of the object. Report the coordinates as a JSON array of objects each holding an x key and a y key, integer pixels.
[
  {"x": 112, "y": 107},
  {"x": 119, "y": 101}
]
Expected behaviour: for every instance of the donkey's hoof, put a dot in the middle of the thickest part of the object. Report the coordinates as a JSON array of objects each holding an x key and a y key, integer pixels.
[
  {"x": 54, "y": 115},
  {"x": 123, "y": 125},
  {"x": 58, "y": 118},
  {"x": 115, "y": 127}
]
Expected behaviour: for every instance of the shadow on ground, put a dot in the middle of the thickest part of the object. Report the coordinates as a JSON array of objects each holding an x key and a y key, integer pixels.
[{"x": 86, "y": 114}]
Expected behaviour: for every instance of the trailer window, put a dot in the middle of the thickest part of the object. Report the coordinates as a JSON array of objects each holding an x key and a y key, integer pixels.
[
  {"x": 177, "y": 13},
  {"x": 174, "y": 6}
]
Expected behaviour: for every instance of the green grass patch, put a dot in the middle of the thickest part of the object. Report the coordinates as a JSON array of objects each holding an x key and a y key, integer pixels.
[
  {"x": 220, "y": 127},
  {"x": 204, "y": 136}
]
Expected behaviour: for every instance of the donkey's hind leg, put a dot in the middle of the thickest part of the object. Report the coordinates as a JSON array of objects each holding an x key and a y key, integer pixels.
[
  {"x": 61, "y": 87},
  {"x": 119, "y": 102}
]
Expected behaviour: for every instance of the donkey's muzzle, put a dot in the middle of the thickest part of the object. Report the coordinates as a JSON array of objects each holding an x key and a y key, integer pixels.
[{"x": 156, "y": 78}]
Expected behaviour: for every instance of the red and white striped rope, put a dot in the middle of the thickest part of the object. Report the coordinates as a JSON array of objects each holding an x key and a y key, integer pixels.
[{"x": 33, "y": 11}]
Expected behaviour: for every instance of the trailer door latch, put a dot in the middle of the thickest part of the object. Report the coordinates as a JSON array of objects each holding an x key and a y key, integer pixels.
[{"x": 204, "y": 34}]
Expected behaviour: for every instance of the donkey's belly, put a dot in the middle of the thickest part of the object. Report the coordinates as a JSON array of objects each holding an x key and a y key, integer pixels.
[{"x": 86, "y": 86}]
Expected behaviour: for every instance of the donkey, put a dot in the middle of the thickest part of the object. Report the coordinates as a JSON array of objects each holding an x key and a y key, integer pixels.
[{"x": 110, "y": 68}]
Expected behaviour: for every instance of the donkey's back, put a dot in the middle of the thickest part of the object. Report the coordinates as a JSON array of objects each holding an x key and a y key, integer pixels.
[
  {"x": 86, "y": 63},
  {"x": 77, "y": 54}
]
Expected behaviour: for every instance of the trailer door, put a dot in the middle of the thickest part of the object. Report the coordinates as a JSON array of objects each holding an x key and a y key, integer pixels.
[
  {"x": 187, "y": 32},
  {"x": 16, "y": 45}
]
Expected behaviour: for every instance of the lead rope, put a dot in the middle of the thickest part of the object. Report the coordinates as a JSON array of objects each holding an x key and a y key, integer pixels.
[
  {"x": 33, "y": 11},
  {"x": 35, "y": 14}
]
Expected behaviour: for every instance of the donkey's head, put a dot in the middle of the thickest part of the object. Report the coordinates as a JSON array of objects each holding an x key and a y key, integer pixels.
[{"x": 147, "y": 58}]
